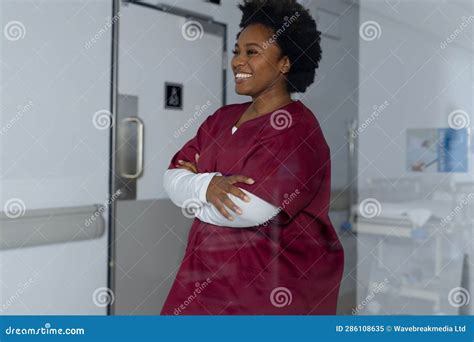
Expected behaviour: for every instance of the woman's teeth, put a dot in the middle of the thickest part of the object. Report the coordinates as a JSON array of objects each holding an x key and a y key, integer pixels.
[{"x": 242, "y": 76}]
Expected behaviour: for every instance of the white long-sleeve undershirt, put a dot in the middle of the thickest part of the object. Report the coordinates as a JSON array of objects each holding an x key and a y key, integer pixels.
[{"x": 186, "y": 188}]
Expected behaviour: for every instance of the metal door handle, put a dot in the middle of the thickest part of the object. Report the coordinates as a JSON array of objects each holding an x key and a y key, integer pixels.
[{"x": 139, "y": 168}]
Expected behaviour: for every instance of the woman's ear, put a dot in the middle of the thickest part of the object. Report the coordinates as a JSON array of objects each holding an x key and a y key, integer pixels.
[{"x": 286, "y": 65}]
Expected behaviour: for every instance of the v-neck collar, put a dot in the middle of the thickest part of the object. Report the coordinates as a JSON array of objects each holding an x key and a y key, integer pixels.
[{"x": 247, "y": 105}]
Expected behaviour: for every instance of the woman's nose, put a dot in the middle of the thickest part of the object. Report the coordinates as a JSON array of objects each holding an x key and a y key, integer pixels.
[{"x": 238, "y": 61}]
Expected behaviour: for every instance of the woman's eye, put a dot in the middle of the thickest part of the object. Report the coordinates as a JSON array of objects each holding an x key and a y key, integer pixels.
[{"x": 249, "y": 52}]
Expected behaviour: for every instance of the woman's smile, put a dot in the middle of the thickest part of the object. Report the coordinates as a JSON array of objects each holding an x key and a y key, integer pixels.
[{"x": 242, "y": 77}]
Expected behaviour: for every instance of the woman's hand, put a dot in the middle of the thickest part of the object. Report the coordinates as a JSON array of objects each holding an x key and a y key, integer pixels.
[
  {"x": 218, "y": 189},
  {"x": 188, "y": 165}
]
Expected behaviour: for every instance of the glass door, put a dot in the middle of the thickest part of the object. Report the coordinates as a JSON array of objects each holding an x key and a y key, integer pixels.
[
  {"x": 55, "y": 129},
  {"x": 170, "y": 78}
]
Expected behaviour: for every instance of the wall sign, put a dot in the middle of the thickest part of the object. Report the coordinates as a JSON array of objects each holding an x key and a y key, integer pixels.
[{"x": 173, "y": 95}]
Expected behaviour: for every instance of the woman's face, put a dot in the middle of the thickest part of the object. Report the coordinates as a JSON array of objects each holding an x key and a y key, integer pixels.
[{"x": 257, "y": 63}]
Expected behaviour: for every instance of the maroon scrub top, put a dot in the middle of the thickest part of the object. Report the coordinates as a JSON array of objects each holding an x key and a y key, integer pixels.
[{"x": 292, "y": 264}]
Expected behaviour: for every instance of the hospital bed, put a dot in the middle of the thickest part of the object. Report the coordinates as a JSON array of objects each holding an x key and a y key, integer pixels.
[{"x": 417, "y": 244}]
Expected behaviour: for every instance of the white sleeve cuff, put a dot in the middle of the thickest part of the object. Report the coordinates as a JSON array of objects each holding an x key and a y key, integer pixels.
[{"x": 183, "y": 185}]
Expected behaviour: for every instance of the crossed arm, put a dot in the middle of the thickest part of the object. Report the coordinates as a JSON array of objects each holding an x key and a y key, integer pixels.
[{"x": 185, "y": 187}]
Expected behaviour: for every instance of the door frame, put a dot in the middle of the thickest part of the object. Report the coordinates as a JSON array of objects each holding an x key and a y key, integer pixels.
[{"x": 209, "y": 22}]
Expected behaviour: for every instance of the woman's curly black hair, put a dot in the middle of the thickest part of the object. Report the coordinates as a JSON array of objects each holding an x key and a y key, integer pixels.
[{"x": 295, "y": 32}]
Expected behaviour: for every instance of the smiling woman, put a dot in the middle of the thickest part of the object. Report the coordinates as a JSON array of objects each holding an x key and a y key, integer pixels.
[{"x": 258, "y": 176}]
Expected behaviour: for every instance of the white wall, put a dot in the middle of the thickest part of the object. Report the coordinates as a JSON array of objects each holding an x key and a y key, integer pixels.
[{"x": 422, "y": 82}]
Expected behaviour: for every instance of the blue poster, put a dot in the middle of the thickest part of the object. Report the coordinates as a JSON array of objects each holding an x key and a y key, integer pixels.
[{"x": 438, "y": 150}]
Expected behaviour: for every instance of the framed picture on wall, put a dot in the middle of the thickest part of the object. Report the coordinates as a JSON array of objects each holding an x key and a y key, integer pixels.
[{"x": 438, "y": 150}]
